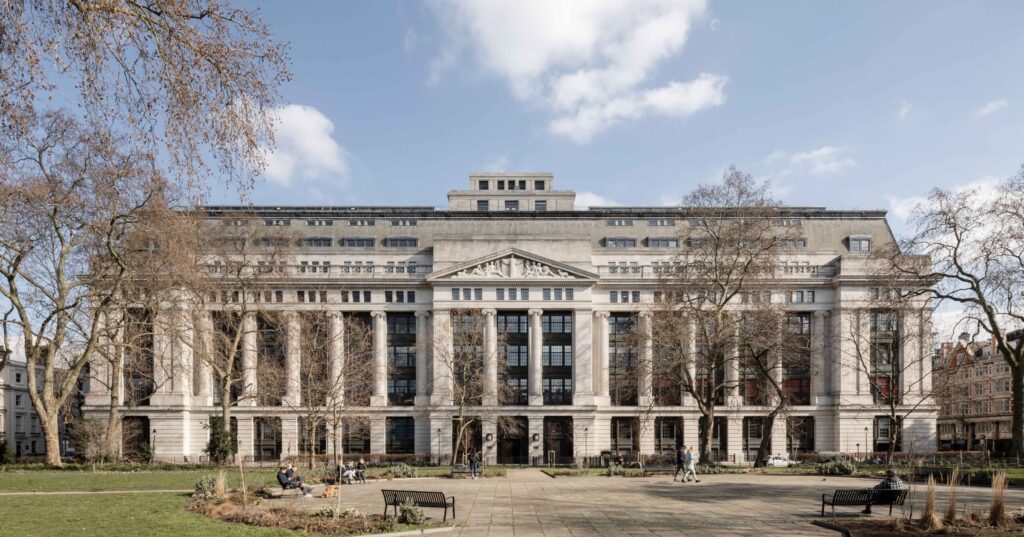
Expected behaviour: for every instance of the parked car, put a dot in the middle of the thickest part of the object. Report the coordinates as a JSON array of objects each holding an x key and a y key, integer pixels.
[{"x": 780, "y": 461}]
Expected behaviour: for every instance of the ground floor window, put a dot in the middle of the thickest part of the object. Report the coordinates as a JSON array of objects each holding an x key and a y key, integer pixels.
[
  {"x": 625, "y": 436},
  {"x": 267, "y": 438},
  {"x": 355, "y": 435},
  {"x": 799, "y": 435},
  {"x": 668, "y": 434},
  {"x": 471, "y": 437},
  {"x": 312, "y": 437},
  {"x": 719, "y": 445},
  {"x": 135, "y": 438},
  {"x": 401, "y": 436},
  {"x": 754, "y": 431},
  {"x": 888, "y": 430}
]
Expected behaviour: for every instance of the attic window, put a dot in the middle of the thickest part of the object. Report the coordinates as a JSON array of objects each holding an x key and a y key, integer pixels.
[{"x": 860, "y": 243}]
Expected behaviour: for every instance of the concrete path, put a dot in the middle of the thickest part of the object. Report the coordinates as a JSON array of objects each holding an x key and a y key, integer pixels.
[
  {"x": 73, "y": 492},
  {"x": 529, "y": 503}
]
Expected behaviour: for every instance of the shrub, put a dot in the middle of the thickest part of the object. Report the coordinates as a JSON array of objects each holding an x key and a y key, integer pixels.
[
  {"x": 388, "y": 524},
  {"x": 6, "y": 455},
  {"x": 221, "y": 446},
  {"x": 836, "y": 467},
  {"x": 709, "y": 469},
  {"x": 402, "y": 470},
  {"x": 206, "y": 488},
  {"x": 930, "y": 520},
  {"x": 408, "y": 513},
  {"x": 326, "y": 512},
  {"x": 997, "y": 511}
]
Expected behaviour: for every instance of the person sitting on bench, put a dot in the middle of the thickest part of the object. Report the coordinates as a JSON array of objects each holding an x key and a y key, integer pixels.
[
  {"x": 891, "y": 482},
  {"x": 288, "y": 480},
  {"x": 348, "y": 472},
  {"x": 361, "y": 471}
]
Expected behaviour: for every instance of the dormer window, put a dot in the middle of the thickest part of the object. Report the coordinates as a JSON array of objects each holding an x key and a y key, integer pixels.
[
  {"x": 538, "y": 185},
  {"x": 485, "y": 185},
  {"x": 860, "y": 243},
  {"x": 501, "y": 185}
]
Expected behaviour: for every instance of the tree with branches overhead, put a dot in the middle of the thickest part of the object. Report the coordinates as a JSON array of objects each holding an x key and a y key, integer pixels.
[
  {"x": 725, "y": 257},
  {"x": 68, "y": 198},
  {"x": 971, "y": 242},
  {"x": 475, "y": 389}
]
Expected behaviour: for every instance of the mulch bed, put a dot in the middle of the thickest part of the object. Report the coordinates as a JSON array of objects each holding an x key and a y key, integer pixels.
[{"x": 888, "y": 528}]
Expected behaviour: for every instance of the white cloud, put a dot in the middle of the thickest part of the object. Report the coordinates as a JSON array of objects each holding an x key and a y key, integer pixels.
[
  {"x": 409, "y": 41},
  {"x": 590, "y": 199},
  {"x": 497, "y": 164},
  {"x": 992, "y": 106},
  {"x": 715, "y": 24},
  {"x": 905, "y": 108},
  {"x": 588, "y": 62},
  {"x": 304, "y": 148},
  {"x": 823, "y": 160}
]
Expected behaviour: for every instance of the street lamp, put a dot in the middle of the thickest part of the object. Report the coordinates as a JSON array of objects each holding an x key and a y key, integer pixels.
[
  {"x": 866, "y": 449},
  {"x": 439, "y": 446},
  {"x": 152, "y": 446},
  {"x": 586, "y": 446},
  {"x": 858, "y": 450}
]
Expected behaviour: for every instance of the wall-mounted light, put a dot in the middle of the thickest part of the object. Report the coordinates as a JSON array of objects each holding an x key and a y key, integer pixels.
[
  {"x": 536, "y": 437},
  {"x": 489, "y": 437}
]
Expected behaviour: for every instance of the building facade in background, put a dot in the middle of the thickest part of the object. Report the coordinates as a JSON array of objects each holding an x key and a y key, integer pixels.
[
  {"x": 973, "y": 392},
  {"x": 558, "y": 286}
]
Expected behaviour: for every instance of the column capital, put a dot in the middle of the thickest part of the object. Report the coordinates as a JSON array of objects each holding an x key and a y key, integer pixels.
[
  {"x": 422, "y": 313},
  {"x": 489, "y": 312},
  {"x": 602, "y": 314},
  {"x": 379, "y": 314},
  {"x": 822, "y": 313},
  {"x": 644, "y": 314},
  {"x": 535, "y": 312}
]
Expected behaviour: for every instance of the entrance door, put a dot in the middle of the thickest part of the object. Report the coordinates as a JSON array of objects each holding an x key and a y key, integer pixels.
[
  {"x": 558, "y": 440},
  {"x": 513, "y": 442}
]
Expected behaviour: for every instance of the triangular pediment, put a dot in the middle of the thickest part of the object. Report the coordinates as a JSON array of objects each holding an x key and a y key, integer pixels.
[{"x": 512, "y": 264}]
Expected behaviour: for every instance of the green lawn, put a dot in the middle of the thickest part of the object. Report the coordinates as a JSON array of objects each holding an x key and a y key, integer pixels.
[
  {"x": 114, "y": 515},
  {"x": 54, "y": 480}
]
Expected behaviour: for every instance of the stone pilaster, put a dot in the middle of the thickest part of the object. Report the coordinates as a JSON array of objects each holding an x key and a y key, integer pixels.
[
  {"x": 441, "y": 386},
  {"x": 293, "y": 360},
  {"x": 249, "y": 387},
  {"x": 380, "y": 359},
  {"x": 422, "y": 357},
  {"x": 602, "y": 366},
  {"x": 535, "y": 369},
  {"x": 645, "y": 364},
  {"x": 583, "y": 358},
  {"x": 490, "y": 350},
  {"x": 204, "y": 373},
  {"x": 821, "y": 394},
  {"x": 336, "y": 356}
]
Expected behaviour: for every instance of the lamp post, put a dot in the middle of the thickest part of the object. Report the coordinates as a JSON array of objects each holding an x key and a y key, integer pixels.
[
  {"x": 586, "y": 446},
  {"x": 152, "y": 446},
  {"x": 439, "y": 446},
  {"x": 858, "y": 450},
  {"x": 866, "y": 448}
]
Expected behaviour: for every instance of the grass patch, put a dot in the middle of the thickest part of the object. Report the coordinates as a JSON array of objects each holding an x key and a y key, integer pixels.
[
  {"x": 116, "y": 515},
  {"x": 62, "y": 480}
]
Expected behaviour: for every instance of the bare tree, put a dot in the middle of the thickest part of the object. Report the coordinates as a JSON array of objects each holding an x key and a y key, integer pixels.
[
  {"x": 972, "y": 244},
  {"x": 473, "y": 384},
  {"x": 728, "y": 251},
  {"x": 192, "y": 80},
  {"x": 68, "y": 196},
  {"x": 883, "y": 346}
]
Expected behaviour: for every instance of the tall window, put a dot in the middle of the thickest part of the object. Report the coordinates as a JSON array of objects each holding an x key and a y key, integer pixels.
[
  {"x": 138, "y": 362},
  {"x": 622, "y": 359},
  {"x": 798, "y": 364},
  {"x": 401, "y": 358},
  {"x": 556, "y": 358},
  {"x": 401, "y": 435},
  {"x": 885, "y": 357},
  {"x": 514, "y": 328}
]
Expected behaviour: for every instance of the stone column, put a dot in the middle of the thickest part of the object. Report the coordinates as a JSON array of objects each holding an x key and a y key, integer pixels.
[
  {"x": 293, "y": 360},
  {"x": 422, "y": 357},
  {"x": 246, "y": 437},
  {"x": 490, "y": 384},
  {"x": 732, "y": 370},
  {"x": 289, "y": 436},
  {"x": 582, "y": 358},
  {"x": 336, "y": 356},
  {"x": 378, "y": 434},
  {"x": 99, "y": 373},
  {"x": 690, "y": 363},
  {"x": 204, "y": 373},
  {"x": 183, "y": 360},
  {"x": 380, "y": 359},
  {"x": 820, "y": 393},
  {"x": 535, "y": 369},
  {"x": 249, "y": 387},
  {"x": 441, "y": 393},
  {"x": 602, "y": 366},
  {"x": 645, "y": 364}
]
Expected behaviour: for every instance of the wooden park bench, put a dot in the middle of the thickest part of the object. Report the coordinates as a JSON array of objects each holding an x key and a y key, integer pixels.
[
  {"x": 420, "y": 499},
  {"x": 865, "y": 497}
]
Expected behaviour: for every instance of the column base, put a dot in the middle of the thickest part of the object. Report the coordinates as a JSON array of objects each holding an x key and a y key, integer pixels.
[
  {"x": 603, "y": 400},
  {"x": 536, "y": 400},
  {"x": 421, "y": 400},
  {"x": 378, "y": 400}
]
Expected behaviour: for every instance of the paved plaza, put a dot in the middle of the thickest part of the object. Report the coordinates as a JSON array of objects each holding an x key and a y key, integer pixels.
[{"x": 529, "y": 503}]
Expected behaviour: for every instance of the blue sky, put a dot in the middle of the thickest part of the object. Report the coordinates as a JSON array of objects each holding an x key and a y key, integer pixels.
[{"x": 846, "y": 105}]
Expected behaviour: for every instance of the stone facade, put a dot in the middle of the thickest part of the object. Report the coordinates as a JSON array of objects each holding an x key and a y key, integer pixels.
[{"x": 512, "y": 245}]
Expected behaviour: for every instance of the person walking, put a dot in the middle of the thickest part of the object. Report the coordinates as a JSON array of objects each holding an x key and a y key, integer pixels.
[
  {"x": 691, "y": 467},
  {"x": 680, "y": 462}
]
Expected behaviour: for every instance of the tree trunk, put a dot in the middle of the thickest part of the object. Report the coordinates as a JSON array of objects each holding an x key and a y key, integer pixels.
[
  {"x": 112, "y": 448},
  {"x": 1017, "y": 386},
  {"x": 51, "y": 435},
  {"x": 225, "y": 414},
  {"x": 704, "y": 445},
  {"x": 765, "y": 447}
]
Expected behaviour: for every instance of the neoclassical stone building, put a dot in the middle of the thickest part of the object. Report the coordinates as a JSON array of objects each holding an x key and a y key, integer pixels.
[{"x": 556, "y": 284}]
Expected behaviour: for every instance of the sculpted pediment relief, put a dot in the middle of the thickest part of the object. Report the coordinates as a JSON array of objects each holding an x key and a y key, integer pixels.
[{"x": 514, "y": 265}]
